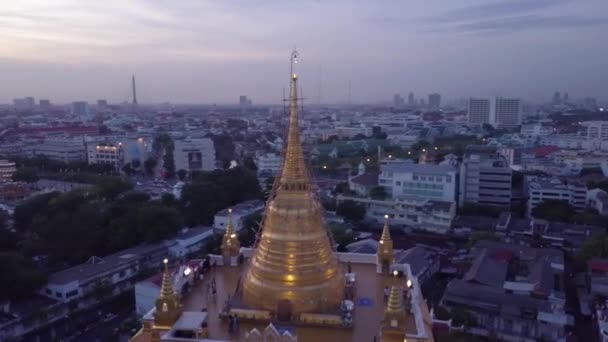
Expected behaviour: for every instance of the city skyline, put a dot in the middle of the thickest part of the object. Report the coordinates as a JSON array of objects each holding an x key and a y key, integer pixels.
[{"x": 212, "y": 52}]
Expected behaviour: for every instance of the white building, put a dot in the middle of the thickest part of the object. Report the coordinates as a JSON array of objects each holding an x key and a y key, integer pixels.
[
  {"x": 507, "y": 113},
  {"x": 596, "y": 130},
  {"x": 535, "y": 131},
  {"x": 239, "y": 213},
  {"x": 114, "y": 271},
  {"x": 7, "y": 170},
  {"x": 351, "y": 132},
  {"x": 419, "y": 181},
  {"x": 479, "y": 111},
  {"x": 105, "y": 153},
  {"x": 194, "y": 155},
  {"x": 428, "y": 215},
  {"x": 64, "y": 150},
  {"x": 543, "y": 188},
  {"x": 269, "y": 163},
  {"x": 190, "y": 240}
]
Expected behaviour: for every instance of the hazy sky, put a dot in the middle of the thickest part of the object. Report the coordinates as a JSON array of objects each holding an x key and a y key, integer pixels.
[{"x": 197, "y": 51}]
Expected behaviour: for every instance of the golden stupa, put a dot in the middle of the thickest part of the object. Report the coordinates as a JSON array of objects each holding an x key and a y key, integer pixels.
[{"x": 294, "y": 267}]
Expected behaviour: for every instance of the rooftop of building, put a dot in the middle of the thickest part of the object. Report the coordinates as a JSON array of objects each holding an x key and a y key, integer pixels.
[
  {"x": 432, "y": 169},
  {"x": 510, "y": 279},
  {"x": 190, "y": 232},
  {"x": 97, "y": 265},
  {"x": 552, "y": 183},
  {"x": 242, "y": 208},
  {"x": 367, "y": 179}
]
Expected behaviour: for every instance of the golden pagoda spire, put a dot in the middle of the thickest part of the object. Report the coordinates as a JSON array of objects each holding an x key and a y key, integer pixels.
[
  {"x": 230, "y": 242},
  {"x": 294, "y": 263},
  {"x": 386, "y": 253},
  {"x": 168, "y": 307},
  {"x": 393, "y": 322},
  {"x": 386, "y": 232}
]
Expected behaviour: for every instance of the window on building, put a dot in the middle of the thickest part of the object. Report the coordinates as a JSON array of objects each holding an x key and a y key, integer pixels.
[
  {"x": 71, "y": 294},
  {"x": 448, "y": 179},
  {"x": 397, "y": 183},
  {"x": 415, "y": 177}
]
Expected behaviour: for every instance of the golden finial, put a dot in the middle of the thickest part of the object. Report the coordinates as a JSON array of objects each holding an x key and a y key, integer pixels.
[{"x": 386, "y": 233}]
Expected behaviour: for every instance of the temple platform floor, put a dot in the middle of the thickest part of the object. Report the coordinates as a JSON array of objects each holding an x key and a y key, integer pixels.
[{"x": 369, "y": 307}]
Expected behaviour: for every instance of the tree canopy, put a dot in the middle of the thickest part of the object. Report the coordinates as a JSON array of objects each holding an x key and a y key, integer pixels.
[
  {"x": 351, "y": 211},
  {"x": 210, "y": 192}
]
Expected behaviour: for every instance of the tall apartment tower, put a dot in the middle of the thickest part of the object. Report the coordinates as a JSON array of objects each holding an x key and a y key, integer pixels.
[
  {"x": 434, "y": 101},
  {"x": 479, "y": 111},
  {"x": 507, "y": 113}
]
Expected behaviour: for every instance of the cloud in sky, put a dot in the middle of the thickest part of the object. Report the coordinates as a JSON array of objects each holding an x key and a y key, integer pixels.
[{"x": 213, "y": 51}]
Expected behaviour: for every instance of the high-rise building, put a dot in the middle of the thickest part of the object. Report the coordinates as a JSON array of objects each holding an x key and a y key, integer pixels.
[
  {"x": 434, "y": 101},
  {"x": 194, "y": 155},
  {"x": 479, "y": 111},
  {"x": 557, "y": 99},
  {"x": 507, "y": 113},
  {"x": 45, "y": 104},
  {"x": 397, "y": 100},
  {"x": 24, "y": 103},
  {"x": 102, "y": 103},
  {"x": 244, "y": 101},
  {"x": 411, "y": 100},
  {"x": 80, "y": 108},
  {"x": 485, "y": 177}
]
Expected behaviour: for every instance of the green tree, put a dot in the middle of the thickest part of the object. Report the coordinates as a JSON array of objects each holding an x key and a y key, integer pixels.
[
  {"x": 26, "y": 211},
  {"x": 378, "y": 193},
  {"x": 351, "y": 211},
  {"x": 181, "y": 174},
  {"x": 481, "y": 236},
  {"x": 250, "y": 164},
  {"x": 111, "y": 188},
  {"x": 20, "y": 277},
  {"x": 156, "y": 222},
  {"x": 26, "y": 174},
  {"x": 168, "y": 200},
  {"x": 342, "y": 236},
  {"x": 149, "y": 165},
  {"x": 128, "y": 169},
  {"x": 474, "y": 209},
  {"x": 250, "y": 229},
  {"x": 554, "y": 210}
]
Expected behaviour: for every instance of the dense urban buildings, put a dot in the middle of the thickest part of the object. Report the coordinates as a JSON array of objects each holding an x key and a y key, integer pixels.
[{"x": 344, "y": 208}]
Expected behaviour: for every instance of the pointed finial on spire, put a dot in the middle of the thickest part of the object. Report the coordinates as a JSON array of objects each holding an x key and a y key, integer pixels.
[
  {"x": 386, "y": 233},
  {"x": 166, "y": 289}
]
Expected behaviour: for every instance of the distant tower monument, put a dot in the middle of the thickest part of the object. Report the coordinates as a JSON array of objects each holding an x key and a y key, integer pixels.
[{"x": 134, "y": 90}]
